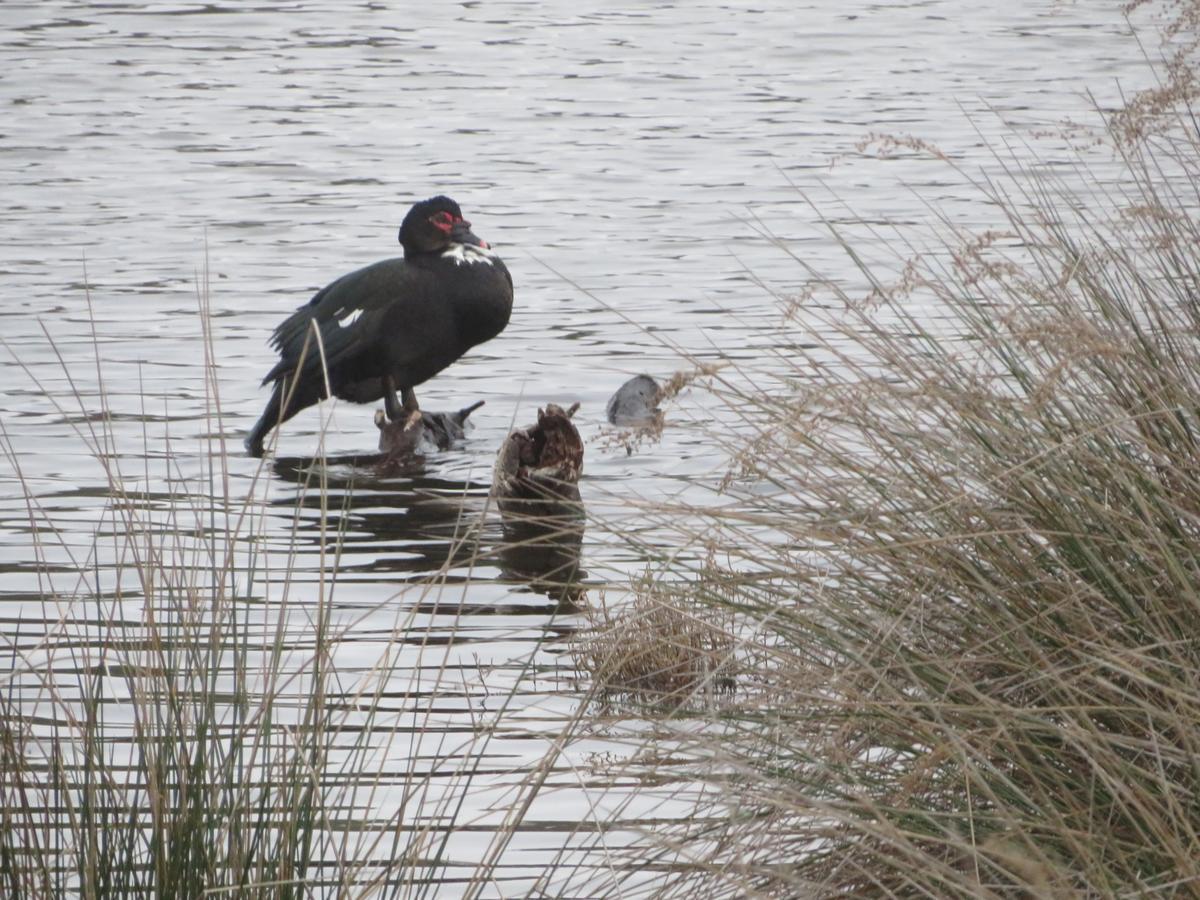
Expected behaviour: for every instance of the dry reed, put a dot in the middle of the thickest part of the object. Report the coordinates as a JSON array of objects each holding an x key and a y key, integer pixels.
[{"x": 966, "y": 553}]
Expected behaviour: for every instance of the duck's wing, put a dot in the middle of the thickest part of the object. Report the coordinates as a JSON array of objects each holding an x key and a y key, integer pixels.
[{"x": 348, "y": 313}]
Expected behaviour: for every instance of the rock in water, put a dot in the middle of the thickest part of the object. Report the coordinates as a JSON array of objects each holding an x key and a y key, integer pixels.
[{"x": 635, "y": 402}]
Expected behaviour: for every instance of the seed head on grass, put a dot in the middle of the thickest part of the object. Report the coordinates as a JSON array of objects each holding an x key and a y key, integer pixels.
[{"x": 973, "y": 514}]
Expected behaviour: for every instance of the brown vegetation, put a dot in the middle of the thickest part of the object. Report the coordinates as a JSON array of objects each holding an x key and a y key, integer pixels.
[{"x": 963, "y": 551}]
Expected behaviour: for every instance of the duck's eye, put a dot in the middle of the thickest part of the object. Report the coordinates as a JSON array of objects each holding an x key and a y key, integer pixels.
[{"x": 442, "y": 221}]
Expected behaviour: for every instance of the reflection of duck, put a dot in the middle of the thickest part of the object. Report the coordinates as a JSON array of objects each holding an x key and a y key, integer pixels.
[
  {"x": 395, "y": 519},
  {"x": 388, "y": 520},
  {"x": 392, "y": 325}
]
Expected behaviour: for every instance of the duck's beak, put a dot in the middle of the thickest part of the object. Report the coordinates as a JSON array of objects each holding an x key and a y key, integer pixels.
[{"x": 461, "y": 233}]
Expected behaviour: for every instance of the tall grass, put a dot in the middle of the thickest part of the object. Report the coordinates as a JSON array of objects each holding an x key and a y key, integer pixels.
[
  {"x": 181, "y": 756},
  {"x": 963, "y": 544},
  {"x": 177, "y": 723}
]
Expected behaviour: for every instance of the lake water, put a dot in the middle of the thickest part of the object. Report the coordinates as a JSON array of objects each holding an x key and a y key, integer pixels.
[{"x": 625, "y": 161}]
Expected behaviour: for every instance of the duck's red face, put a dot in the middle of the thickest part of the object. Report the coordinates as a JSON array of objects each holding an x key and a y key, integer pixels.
[
  {"x": 443, "y": 221},
  {"x": 435, "y": 226},
  {"x": 456, "y": 228}
]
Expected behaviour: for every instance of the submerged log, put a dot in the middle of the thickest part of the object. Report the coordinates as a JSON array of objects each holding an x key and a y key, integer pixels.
[
  {"x": 542, "y": 461},
  {"x": 421, "y": 431}
]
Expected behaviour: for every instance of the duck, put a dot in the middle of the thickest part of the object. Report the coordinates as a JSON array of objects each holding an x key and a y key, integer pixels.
[{"x": 390, "y": 326}]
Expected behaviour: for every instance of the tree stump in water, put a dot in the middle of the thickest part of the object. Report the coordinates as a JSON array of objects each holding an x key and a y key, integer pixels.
[
  {"x": 542, "y": 461},
  {"x": 535, "y": 483}
]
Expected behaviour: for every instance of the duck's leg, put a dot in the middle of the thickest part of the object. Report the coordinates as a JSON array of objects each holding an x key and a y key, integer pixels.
[
  {"x": 268, "y": 420},
  {"x": 410, "y": 399},
  {"x": 390, "y": 406}
]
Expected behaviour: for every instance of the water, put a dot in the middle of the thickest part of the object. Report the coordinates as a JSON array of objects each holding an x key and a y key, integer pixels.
[{"x": 624, "y": 161}]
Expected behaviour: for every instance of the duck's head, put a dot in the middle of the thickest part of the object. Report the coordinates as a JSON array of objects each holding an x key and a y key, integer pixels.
[{"x": 434, "y": 226}]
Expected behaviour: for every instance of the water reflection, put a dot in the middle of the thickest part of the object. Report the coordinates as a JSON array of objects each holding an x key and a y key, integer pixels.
[
  {"x": 542, "y": 544},
  {"x": 269, "y": 141},
  {"x": 536, "y": 485},
  {"x": 391, "y": 517},
  {"x": 385, "y": 519}
]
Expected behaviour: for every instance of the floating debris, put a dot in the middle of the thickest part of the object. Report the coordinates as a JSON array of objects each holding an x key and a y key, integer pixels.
[{"x": 421, "y": 432}]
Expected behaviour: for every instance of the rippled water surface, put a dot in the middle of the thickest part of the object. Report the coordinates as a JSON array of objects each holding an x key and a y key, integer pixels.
[{"x": 624, "y": 160}]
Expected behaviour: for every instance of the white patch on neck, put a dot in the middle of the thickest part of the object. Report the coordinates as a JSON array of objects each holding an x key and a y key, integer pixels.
[
  {"x": 469, "y": 254},
  {"x": 350, "y": 318}
]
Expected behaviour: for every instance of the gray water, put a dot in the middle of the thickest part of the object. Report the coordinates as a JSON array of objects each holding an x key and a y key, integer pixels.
[{"x": 625, "y": 161}]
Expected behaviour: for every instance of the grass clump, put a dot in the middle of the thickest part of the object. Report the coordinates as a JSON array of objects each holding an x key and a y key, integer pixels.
[
  {"x": 975, "y": 551},
  {"x": 663, "y": 651},
  {"x": 182, "y": 755}
]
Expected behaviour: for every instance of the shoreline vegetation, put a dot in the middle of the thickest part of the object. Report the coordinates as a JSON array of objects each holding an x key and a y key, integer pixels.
[
  {"x": 941, "y": 641},
  {"x": 958, "y": 590}
]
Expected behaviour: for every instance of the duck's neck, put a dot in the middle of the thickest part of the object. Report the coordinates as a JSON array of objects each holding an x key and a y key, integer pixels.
[{"x": 470, "y": 254}]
